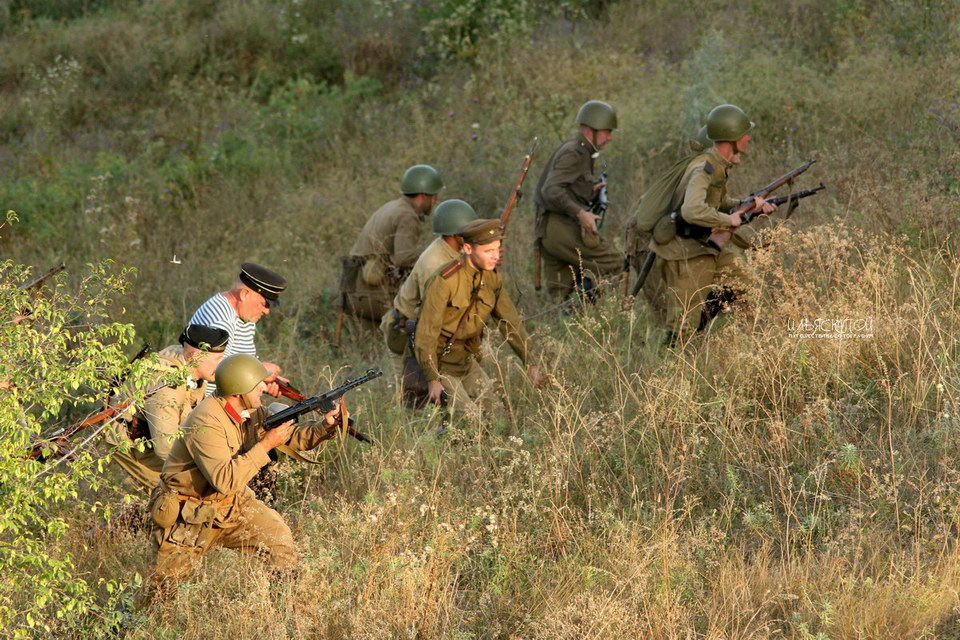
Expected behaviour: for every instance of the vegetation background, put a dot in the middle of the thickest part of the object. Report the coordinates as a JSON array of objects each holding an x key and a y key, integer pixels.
[{"x": 754, "y": 485}]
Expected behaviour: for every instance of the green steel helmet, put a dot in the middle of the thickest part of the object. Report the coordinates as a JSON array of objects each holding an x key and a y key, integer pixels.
[
  {"x": 421, "y": 178},
  {"x": 597, "y": 115},
  {"x": 239, "y": 374},
  {"x": 727, "y": 123},
  {"x": 452, "y": 215}
]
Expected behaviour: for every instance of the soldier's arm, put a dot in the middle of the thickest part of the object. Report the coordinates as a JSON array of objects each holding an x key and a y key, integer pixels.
[
  {"x": 511, "y": 326},
  {"x": 162, "y": 413},
  {"x": 695, "y": 209},
  {"x": 728, "y": 204},
  {"x": 556, "y": 190},
  {"x": 429, "y": 324},
  {"x": 405, "y": 241},
  {"x": 408, "y": 296},
  {"x": 208, "y": 447}
]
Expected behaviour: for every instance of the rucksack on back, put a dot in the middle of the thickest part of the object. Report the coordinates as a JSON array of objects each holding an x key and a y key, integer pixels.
[{"x": 655, "y": 202}]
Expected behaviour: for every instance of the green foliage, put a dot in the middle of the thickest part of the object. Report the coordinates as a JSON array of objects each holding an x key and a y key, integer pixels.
[{"x": 58, "y": 351}]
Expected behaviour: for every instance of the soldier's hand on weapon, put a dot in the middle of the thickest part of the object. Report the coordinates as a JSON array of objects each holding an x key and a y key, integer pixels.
[
  {"x": 761, "y": 205},
  {"x": 588, "y": 220},
  {"x": 280, "y": 435},
  {"x": 533, "y": 374},
  {"x": 735, "y": 220},
  {"x": 598, "y": 186},
  {"x": 435, "y": 391},
  {"x": 273, "y": 388},
  {"x": 338, "y": 415}
]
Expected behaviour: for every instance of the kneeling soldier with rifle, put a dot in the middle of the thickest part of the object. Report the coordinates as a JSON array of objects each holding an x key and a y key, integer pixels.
[
  {"x": 167, "y": 406},
  {"x": 457, "y": 302},
  {"x": 203, "y": 500}
]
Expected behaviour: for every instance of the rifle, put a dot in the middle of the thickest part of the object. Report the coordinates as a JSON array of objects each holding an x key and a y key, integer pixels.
[
  {"x": 60, "y": 437},
  {"x": 322, "y": 403},
  {"x": 720, "y": 237},
  {"x": 600, "y": 203},
  {"x": 516, "y": 193},
  {"x": 288, "y": 391},
  {"x": 779, "y": 200},
  {"x": 38, "y": 281}
]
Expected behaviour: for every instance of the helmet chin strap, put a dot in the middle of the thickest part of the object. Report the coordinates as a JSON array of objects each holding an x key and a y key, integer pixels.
[{"x": 247, "y": 406}]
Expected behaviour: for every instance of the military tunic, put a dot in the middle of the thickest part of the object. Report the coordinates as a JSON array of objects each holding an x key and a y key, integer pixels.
[
  {"x": 564, "y": 189},
  {"x": 204, "y": 480},
  {"x": 454, "y": 360},
  {"x": 164, "y": 410},
  {"x": 690, "y": 268},
  {"x": 390, "y": 238},
  {"x": 408, "y": 298}
]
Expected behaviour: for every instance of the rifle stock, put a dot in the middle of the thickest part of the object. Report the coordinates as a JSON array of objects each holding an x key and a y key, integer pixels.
[
  {"x": 720, "y": 237},
  {"x": 516, "y": 192}
]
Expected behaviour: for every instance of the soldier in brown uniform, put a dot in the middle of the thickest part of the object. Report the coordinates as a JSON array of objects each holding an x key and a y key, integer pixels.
[
  {"x": 388, "y": 245},
  {"x": 203, "y": 500},
  {"x": 573, "y": 252},
  {"x": 167, "y": 405},
  {"x": 448, "y": 219},
  {"x": 458, "y": 300},
  {"x": 691, "y": 266}
]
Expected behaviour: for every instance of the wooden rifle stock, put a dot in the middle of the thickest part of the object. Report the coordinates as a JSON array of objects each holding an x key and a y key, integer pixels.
[
  {"x": 720, "y": 237},
  {"x": 516, "y": 192}
]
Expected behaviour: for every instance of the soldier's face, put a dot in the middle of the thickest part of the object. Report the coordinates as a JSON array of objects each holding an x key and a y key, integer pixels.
[
  {"x": 603, "y": 136},
  {"x": 484, "y": 257},
  {"x": 740, "y": 146},
  {"x": 253, "y": 398},
  {"x": 252, "y": 306}
]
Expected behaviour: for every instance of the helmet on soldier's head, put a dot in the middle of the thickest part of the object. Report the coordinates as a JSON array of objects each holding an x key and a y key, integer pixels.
[
  {"x": 702, "y": 141},
  {"x": 452, "y": 215},
  {"x": 239, "y": 374},
  {"x": 421, "y": 178},
  {"x": 597, "y": 115},
  {"x": 727, "y": 123}
]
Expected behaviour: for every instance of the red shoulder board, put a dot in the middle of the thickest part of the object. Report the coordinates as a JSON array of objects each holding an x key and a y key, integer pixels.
[{"x": 451, "y": 268}]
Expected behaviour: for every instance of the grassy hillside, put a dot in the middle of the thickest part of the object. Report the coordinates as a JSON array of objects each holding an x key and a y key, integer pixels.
[{"x": 755, "y": 485}]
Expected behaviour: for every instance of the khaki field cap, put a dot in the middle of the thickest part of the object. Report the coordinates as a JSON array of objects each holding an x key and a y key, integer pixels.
[
  {"x": 727, "y": 123},
  {"x": 267, "y": 283},
  {"x": 482, "y": 231},
  {"x": 239, "y": 374},
  {"x": 421, "y": 178},
  {"x": 205, "y": 338},
  {"x": 450, "y": 216},
  {"x": 597, "y": 115}
]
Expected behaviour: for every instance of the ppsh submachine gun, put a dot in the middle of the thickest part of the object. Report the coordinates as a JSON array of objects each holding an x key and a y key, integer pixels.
[{"x": 323, "y": 403}]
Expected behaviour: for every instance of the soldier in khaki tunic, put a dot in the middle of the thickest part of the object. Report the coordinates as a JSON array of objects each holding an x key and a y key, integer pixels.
[
  {"x": 448, "y": 219},
  {"x": 167, "y": 405},
  {"x": 388, "y": 245},
  {"x": 459, "y": 298},
  {"x": 203, "y": 500},
  {"x": 690, "y": 266},
  {"x": 573, "y": 252}
]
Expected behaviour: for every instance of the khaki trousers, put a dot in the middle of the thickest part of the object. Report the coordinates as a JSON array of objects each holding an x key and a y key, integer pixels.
[
  {"x": 565, "y": 254},
  {"x": 472, "y": 394},
  {"x": 687, "y": 283}
]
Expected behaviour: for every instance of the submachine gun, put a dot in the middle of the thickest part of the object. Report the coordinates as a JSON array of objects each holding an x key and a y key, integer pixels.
[{"x": 322, "y": 403}]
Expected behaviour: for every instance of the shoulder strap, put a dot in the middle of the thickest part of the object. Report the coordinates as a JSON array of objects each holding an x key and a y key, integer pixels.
[{"x": 463, "y": 319}]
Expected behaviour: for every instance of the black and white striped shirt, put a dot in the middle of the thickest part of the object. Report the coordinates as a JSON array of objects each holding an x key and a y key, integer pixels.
[{"x": 218, "y": 313}]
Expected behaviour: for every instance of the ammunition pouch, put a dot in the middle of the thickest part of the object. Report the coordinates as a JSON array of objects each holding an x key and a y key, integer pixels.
[
  {"x": 374, "y": 271},
  {"x": 397, "y": 333},
  {"x": 687, "y": 230},
  {"x": 665, "y": 230},
  {"x": 349, "y": 270},
  {"x": 165, "y": 509}
]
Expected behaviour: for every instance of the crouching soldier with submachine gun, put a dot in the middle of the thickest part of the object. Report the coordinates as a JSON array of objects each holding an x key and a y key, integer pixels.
[{"x": 203, "y": 500}]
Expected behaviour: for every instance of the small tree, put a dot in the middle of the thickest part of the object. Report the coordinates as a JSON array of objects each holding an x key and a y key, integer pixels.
[{"x": 59, "y": 351}]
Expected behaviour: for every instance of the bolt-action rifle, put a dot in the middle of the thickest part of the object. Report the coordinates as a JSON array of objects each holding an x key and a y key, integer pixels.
[
  {"x": 750, "y": 217},
  {"x": 288, "y": 391},
  {"x": 57, "y": 440},
  {"x": 322, "y": 403},
  {"x": 516, "y": 193},
  {"x": 720, "y": 237},
  {"x": 37, "y": 282}
]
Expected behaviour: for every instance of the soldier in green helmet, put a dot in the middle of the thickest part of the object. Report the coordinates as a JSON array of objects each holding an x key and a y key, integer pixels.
[
  {"x": 388, "y": 245},
  {"x": 690, "y": 266},
  {"x": 449, "y": 217},
  {"x": 573, "y": 252},
  {"x": 203, "y": 500}
]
